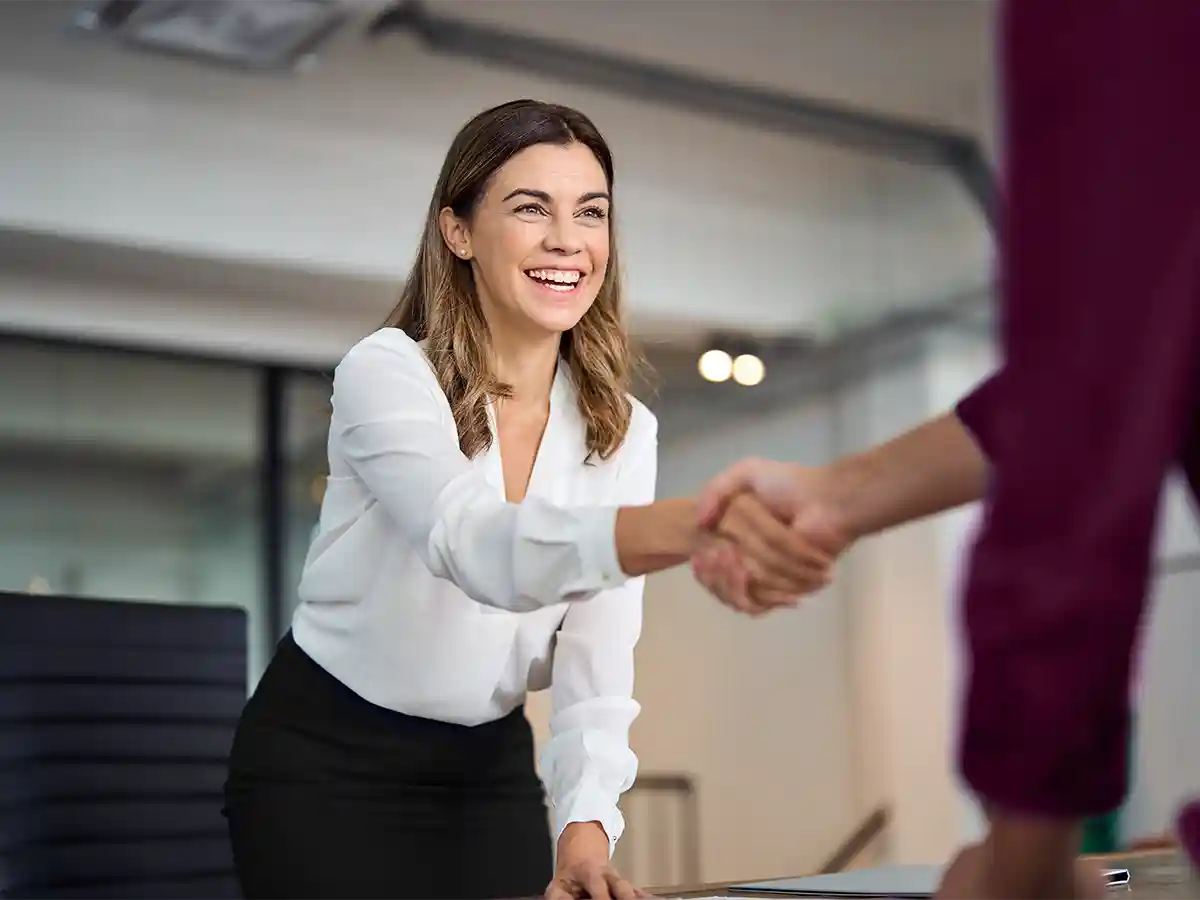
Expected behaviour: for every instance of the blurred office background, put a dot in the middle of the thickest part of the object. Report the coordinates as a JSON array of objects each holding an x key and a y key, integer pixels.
[{"x": 197, "y": 220}]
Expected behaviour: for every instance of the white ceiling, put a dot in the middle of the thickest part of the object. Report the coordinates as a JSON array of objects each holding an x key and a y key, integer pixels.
[
  {"x": 928, "y": 60},
  {"x": 327, "y": 173}
]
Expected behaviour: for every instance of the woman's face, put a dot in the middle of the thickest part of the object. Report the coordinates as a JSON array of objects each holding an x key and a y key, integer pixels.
[{"x": 539, "y": 239}]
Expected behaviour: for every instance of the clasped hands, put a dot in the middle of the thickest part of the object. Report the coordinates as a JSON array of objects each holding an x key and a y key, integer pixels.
[{"x": 770, "y": 534}]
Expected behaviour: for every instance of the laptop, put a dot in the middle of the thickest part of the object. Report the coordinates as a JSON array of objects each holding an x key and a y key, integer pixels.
[{"x": 895, "y": 882}]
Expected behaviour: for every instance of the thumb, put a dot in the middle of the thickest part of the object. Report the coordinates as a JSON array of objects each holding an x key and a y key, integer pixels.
[{"x": 715, "y": 496}]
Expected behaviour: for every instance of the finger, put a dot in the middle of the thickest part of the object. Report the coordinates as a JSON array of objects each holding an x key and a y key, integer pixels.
[
  {"x": 619, "y": 887},
  {"x": 793, "y": 542},
  {"x": 706, "y": 559},
  {"x": 734, "y": 580},
  {"x": 716, "y": 495},
  {"x": 773, "y": 541},
  {"x": 767, "y": 600},
  {"x": 558, "y": 890},
  {"x": 781, "y": 550},
  {"x": 763, "y": 579},
  {"x": 704, "y": 570},
  {"x": 595, "y": 884},
  {"x": 765, "y": 609},
  {"x": 712, "y": 568}
]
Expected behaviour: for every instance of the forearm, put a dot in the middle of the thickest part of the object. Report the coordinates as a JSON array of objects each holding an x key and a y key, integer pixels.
[
  {"x": 1032, "y": 856},
  {"x": 932, "y": 468},
  {"x": 656, "y": 536}
]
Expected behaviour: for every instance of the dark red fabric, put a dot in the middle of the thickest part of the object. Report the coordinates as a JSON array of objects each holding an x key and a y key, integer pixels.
[{"x": 1097, "y": 398}]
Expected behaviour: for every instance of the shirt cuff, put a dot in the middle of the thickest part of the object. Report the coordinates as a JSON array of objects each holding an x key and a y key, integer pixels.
[
  {"x": 597, "y": 542},
  {"x": 590, "y": 804},
  {"x": 564, "y": 553}
]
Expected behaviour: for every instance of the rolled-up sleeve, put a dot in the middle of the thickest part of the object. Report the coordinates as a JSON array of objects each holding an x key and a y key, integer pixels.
[
  {"x": 587, "y": 763},
  {"x": 395, "y": 431}
]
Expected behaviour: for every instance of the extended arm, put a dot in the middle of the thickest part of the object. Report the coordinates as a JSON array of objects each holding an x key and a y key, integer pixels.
[
  {"x": 933, "y": 468},
  {"x": 395, "y": 431}
]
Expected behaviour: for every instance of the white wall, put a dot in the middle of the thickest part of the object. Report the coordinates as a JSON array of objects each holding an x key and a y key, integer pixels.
[
  {"x": 1167, "y": 754},
  {"x": 900, "y": 591},
  {"x": 760, "y": 712},
  {"x": 955, "y": 366},
  {"x": 899, "y": 630}
]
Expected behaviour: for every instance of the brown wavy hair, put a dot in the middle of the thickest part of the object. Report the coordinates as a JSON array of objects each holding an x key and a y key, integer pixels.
[{"x": 439, "y": 303}]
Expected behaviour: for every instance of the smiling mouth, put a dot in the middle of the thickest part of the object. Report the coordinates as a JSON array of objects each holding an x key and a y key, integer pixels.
[{"x": 560, "y": 281}]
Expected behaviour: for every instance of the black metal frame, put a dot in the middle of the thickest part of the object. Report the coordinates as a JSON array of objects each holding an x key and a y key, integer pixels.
[
  {"x": 271, "y": 428},
  {"x": 896, "y": 138},
  {"x": 273, "y": 495}
]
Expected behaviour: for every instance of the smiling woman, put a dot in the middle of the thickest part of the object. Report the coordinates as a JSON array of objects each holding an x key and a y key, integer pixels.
[
  {"x": 489, "y": 508},
  {"x": 543, "y": 218}
]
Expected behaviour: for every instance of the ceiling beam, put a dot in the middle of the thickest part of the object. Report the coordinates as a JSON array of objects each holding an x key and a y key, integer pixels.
[{"x": 892, "y": 137}]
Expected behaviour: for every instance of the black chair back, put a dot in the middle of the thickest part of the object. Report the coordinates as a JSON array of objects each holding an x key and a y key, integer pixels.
[{"x": 116, "y": 721}]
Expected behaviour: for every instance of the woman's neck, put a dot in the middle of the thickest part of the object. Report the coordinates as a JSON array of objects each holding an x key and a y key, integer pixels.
[{"x": 526, "y": 363}]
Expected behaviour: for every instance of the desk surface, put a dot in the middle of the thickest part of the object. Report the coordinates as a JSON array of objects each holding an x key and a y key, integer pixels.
[{"x": 1154, "y": 875}]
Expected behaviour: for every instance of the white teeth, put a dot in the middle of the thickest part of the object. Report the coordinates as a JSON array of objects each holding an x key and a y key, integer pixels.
[{"x": 558, "y": 276}]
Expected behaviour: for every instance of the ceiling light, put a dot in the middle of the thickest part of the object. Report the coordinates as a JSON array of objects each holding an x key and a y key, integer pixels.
[
  {"x": 255, "y": 34},
  {"x": 38, "y": 585},
  {"x": 716, "y": 365},
  {"x": 748, "y": 370}
]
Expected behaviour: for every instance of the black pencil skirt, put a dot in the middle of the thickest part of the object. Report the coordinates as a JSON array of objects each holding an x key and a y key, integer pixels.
[{"x": 330, "y": 796}]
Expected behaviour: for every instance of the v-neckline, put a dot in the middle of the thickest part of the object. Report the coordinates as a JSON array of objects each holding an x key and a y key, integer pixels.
[{"x": 544, "y": 448}]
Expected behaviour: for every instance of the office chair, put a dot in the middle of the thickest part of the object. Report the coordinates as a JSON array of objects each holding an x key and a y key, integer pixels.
[{"x": 116, "y": 720}]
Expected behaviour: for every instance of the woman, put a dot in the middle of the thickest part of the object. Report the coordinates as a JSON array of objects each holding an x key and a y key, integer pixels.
[{"x": 490, "y": 505}]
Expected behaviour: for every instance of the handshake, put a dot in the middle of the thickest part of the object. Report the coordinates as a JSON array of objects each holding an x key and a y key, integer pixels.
[{"x": 768, "y": 534}]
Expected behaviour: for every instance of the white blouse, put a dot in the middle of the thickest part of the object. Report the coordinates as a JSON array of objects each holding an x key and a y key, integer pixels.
[{"x": 426, "y": 592}]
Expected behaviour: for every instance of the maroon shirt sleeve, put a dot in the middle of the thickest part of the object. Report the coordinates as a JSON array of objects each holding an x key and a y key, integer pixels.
[
  {"x": 977, "y": 411},
  {"x": 1100, "y": 332}
]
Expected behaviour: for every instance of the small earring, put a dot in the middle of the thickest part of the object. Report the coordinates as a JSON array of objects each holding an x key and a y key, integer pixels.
[{"x": 463, "y": 253}]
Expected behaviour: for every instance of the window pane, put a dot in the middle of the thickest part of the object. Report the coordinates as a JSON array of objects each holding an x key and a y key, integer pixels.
[
  {"x": 128, "y": 476},
  {"x": 306, "y": 410}
]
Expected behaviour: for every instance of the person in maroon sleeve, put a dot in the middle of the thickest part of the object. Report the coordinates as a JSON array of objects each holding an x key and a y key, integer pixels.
[
  {"x": 933, "y": 468},
  {"x": 1098, "y": 398}
]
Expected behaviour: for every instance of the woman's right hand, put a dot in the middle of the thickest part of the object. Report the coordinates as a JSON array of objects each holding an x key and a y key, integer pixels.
[{"x": 753, "y": 561}]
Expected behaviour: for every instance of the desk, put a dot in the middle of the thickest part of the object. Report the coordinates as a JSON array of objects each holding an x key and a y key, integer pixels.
[{"x": 1153, "y": 875}]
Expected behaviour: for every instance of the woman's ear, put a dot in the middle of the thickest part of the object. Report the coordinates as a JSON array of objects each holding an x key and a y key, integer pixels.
[{"x": 455, "y": 233}]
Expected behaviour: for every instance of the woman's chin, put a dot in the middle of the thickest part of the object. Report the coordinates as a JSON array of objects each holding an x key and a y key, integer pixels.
[{"x": 557, "y": 321}]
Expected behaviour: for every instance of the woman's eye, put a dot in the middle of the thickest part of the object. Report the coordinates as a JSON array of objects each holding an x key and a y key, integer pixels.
[
  {"x": 530, "y": 208},
  {"x": 594, "y": 212}
]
